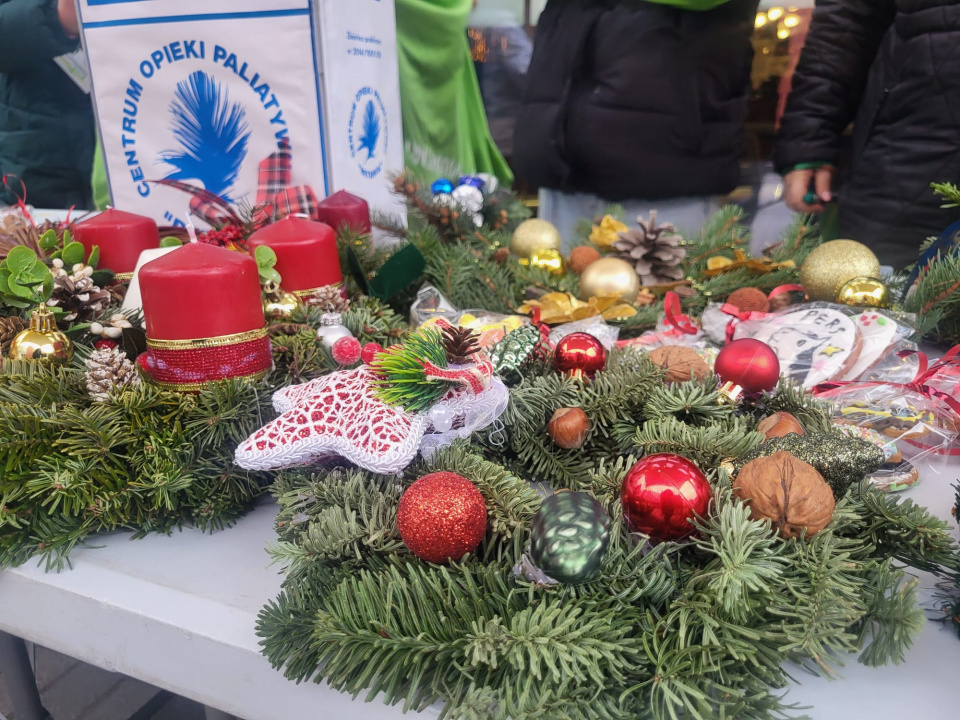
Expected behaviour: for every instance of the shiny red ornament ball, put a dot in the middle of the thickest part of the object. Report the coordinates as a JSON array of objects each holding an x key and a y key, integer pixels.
[
  {"x": 370, "y": 351},
  {"x": 442, "y": 517},
  {"x": 346, "y": 351},
  {"x": 106, "y": 344},
  {"x": 661, "y": 494},
  {"x": 749, "y": 363},
  {"x": 580, "y": 354}
]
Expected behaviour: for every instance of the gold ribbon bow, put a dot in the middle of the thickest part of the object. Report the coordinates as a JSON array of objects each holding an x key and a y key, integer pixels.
[{"x": 718, "y": 264}]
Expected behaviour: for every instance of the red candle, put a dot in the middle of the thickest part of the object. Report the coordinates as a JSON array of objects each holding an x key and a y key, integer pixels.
[
  {"x": 344, "y": 208},
  {"x": 307, "y": 256},
  {"x": 201, "y": 291},
  {"x": 121, "y": 237}
]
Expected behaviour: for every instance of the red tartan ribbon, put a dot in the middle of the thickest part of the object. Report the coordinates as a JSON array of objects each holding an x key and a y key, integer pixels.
[
  {"x": 188, "y": 368},
  {"x": 675, "y": 317},
  {"x": 918, "y": 385}
]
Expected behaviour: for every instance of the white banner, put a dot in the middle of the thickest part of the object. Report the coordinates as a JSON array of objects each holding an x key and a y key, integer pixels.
[{"x": 204, "y": 97}]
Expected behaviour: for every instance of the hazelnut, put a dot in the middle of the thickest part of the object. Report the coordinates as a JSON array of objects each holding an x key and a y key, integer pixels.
[
  {"x": 569, "y": 428},
  {"x": 788, "y": 492},
  {"x": 681, "y": 363},
  {"x": 779, "y": 425}
]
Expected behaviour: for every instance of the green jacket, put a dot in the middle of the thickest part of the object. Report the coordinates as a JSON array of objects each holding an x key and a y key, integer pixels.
[{"x": 46, "y": 122}]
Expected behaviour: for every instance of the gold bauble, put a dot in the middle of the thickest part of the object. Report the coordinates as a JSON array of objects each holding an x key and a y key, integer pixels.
[
  {"x": 42, "y": 341},
  {"x": 280, "y": 306},
  {"x": 532, "y": 236},
  {"x": 549, "y": 260},
  {"x": 610, "y": 277},
  {"x": 864, "y": 292},
  {"x": 833, "y": 264}
]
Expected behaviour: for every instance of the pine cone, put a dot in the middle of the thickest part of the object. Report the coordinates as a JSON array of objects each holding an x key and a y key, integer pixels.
[
  {"x": 10, "y": 327},
  {"x": 460, "y": 344},
  {"x": 653, "y": 250},
  {"x": 329, "y": 299},
  {"x": 27, "y": 236},
  {"x": 109, "y": 370},
  {"x": 77, "y": 295}
]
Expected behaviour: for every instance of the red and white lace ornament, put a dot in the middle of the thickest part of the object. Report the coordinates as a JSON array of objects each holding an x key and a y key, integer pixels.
[{"x": 340, "y": 415}]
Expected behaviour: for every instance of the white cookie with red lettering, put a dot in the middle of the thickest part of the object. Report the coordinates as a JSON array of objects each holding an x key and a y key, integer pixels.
[
  {"x": 814, "y": 345},
  {"x": 879, "y": 334}
]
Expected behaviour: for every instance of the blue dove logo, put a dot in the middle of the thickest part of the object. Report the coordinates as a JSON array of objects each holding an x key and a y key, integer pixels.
[
  {"x": 368, "y": 131},
  {"x": 212, "y": 134}
]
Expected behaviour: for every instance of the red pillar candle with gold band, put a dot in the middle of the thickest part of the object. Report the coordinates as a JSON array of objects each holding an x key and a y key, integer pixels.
[
  {"x": 204, "y": 318},
  {"x": 307, "y": 256},
  {"x": 121, "y": 237},
  {"x": 343, "y": 208}
]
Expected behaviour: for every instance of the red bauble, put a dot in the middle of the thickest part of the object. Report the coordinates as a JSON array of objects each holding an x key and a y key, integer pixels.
[
  {"x": 749, "y": 363},
  {"x": 370, "y": 351},
  {"x": 346, "y": 351},
  {"x": 442, "y": 517},
  {"x": 661, "y": 494},
  {"x": 580, "y": 354}
]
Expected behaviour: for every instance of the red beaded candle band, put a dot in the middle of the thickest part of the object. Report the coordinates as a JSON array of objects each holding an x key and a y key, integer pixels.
[{"x": 186, "y": 365}]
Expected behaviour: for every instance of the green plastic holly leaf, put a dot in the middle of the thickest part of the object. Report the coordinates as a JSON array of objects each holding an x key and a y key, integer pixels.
[
  {"x": 103, "y": 278},
  {"x": 73, "y": 254},
  {"x": 48, "y": 241},
  {"x": 94, "y": 258},
  {"x": 266, "y": 261},
  {"x": 24, "y": 279},
  {"x": 19, "y": 259},
  {"x": 171, "y": 242}
]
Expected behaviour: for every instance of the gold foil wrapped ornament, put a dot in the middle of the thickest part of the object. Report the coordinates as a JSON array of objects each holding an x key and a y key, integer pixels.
[
  {"x": 610, "y": 277},
  {"x": 534, "y": 236},
  {"x": 831, "y": 265},
  {"x": 549, "y": 260},
  {"x": 865, "y": 292},
  {"x": 277, "y": 304},
  {"x": 42, "y": 341}
]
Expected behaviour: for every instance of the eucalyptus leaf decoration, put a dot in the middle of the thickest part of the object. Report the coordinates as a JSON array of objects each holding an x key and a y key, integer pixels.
[
  {"x": 25, "y": 281},
  {"x": 171, "y": 242},
  {"x": 266, "y": 263}
]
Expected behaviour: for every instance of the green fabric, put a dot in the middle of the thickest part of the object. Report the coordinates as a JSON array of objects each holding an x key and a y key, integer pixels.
[
  {"x": 829, "y": 221},
  {"x": 444, "y": 124},
  {"x": 691, "y": 4},
  {"x": 46, "y": 121},
  {"x": 812, "y": 165},
  {"x": 101, "y": 190}
]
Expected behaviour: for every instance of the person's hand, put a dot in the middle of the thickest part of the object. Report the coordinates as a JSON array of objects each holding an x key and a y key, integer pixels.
[
  {"x": 797, "y": 185},
  {"x": 67, "y": 12}
]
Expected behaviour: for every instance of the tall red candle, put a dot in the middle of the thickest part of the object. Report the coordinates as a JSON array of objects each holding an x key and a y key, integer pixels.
[
  {"x": 121, "y": 237},
  {"x": 204, "y": 316},
  {"x": 345, "y": 208},
  {"x": 307, "y": 256}
]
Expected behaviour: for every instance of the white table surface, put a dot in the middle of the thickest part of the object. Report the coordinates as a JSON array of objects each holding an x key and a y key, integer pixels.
[{"x": 179, "y": 612}]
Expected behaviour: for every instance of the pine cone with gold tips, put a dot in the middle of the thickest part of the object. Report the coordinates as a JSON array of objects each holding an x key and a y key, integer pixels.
[
  {"x": 329, "y": 299},
  {"x": 460, "y": 344},
  {"x": 76, "y": 294},
  {"x": 655, "y": 251},
  {"x": 109, "y": 370},
  {"x": 10, "y": 327}
]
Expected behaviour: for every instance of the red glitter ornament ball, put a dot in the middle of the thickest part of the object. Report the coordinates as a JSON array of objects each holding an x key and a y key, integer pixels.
[
  {"x": 749, "y": 363},
  {"x": 661, "y": 494},
  {"x": 442, "y": 517},
  {"x": 346, "y": 351},
  {"x": 580, "y": 354},
  {"x": 370, "y": 351}
]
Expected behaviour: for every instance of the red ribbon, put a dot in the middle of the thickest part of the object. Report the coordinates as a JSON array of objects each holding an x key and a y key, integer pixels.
[
  {"x": 786, "y": 288},
  {"x": 918, "y": 385},
  {"x": 675, "y": 317}
]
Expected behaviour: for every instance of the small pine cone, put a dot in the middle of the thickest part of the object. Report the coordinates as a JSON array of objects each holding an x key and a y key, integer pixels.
[
  {"x": 501, "y": 255},
  {"x": 109, "y": 370},
  {"x": 76, "y": 294},
  {"x": 10, "y": 327},
  {"x": 329, "y": 299},
  {"x": 111, "y": 328}
]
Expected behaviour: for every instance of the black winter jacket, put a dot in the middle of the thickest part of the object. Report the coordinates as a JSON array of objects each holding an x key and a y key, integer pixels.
[
  {"x": 892, "y": 67},
  {"x": 632, "y": 99},
  {"x": 47, "y": 133}
]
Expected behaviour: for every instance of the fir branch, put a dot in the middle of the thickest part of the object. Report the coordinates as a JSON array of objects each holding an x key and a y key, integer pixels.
[
  {"x": 707, "y": 446},
  {"x": 402, "y": 379}
]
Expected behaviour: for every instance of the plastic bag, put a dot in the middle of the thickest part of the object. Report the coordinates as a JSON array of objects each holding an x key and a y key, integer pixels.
[
  {"x": 431, "y": 306},
  {"x": 821, "y": 342},
  {"x": 596, "y": 326}
]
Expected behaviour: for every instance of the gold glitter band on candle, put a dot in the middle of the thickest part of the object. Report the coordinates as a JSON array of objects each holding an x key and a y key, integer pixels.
[
  {"x": 211, "y": 342},
  {"x": 122, "y": 277},
  {"x": 307, "y": 294}
]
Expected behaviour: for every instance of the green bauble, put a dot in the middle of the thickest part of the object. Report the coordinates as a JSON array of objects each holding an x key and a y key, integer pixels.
[
  {"x": 842, "y": 460},
  {"x": 570, "y": 534},
  {"x": 514, "y": 351}
]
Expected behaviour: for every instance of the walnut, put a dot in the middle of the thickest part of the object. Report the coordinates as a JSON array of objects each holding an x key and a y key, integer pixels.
[
  {"x": 786, "y": 491},
  {"x": 680, "y": 363}
]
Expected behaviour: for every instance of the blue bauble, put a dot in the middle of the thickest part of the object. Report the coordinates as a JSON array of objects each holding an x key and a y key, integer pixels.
[
  {"x": 473, "y": 181},
  {"x": 441, "y": 187}
]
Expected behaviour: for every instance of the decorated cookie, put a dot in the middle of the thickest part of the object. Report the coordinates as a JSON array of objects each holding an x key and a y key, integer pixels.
[
  {"x": 893, "y": 477},
  {"x": 879, "y": 334},
  {"x": 899, "y": 421},
  {"x": 813, "y": 344},
  {"x": 887, "y": 445}
]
